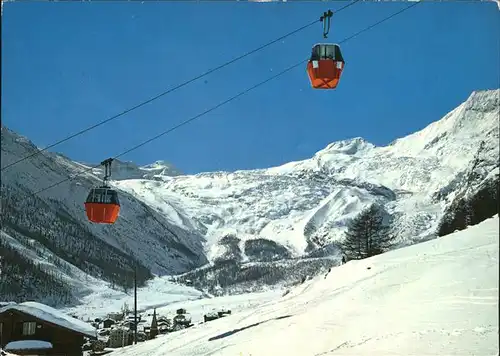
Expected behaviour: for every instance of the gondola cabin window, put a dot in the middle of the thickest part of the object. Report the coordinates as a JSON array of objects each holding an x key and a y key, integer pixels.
[{"x": 103, "y": 196}]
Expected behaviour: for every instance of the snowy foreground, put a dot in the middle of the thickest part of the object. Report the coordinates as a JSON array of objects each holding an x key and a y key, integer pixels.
[{"x": 435, "y": 298}]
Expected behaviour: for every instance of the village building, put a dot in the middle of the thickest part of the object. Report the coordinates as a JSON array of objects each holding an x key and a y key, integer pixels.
[
  {"x": 34, "y": 328},
  {"x": 115, "y": 316},
  {"x": 107, "y": 323},
  {"x": 153, "y": 330},
  {"x": 120, "y": 337}
]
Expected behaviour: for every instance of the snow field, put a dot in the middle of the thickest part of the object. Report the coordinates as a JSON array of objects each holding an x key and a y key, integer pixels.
[{"x": 436, "y": 298}]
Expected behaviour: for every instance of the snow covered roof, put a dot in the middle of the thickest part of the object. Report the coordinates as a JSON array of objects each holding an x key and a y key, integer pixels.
[
  {"x": 28, "y": 345},
  {"x": 54, "y": 316},
  {"x": 2, "y": 304}
]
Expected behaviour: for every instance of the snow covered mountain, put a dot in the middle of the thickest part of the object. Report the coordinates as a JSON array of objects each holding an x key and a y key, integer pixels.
[
  {"x": 305, "y": 205},
  {"x": 52, "y": 226},
  {"x": 129, "y": 170},
  {"x": 172, "y": 223}
]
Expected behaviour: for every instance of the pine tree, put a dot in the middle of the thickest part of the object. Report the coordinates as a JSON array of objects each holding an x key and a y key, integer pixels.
[
  {"x": 367, "y": 235},
  {"x": 352, "y": 244}
]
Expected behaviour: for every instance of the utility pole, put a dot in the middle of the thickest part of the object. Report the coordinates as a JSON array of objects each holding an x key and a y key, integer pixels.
[{"x": 135, "y": 303}]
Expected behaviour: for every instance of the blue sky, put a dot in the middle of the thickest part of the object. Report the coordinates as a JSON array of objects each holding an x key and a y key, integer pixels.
[{"x": 68, "y": 65}]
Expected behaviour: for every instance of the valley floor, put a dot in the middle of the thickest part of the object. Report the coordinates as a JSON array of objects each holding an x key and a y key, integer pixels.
[
  {"x": 166, "y": 297},
  {"x": 435, "y": 298}
]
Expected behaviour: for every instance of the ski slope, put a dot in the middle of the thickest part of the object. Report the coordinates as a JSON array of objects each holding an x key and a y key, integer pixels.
[{"x": 435, "y": 298}]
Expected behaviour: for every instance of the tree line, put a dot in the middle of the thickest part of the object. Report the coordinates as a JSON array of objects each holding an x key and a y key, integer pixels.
[
  {"x": 51, "y": 227},
  {"x": 471, "y": 210},
  {"x": 22, "y": 279}
]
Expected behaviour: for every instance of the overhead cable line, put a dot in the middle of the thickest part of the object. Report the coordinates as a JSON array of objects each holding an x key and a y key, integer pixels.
[
  {"x": 225, "y": 101},
  {"x": 379, "y": 22},
  {"x": 172, "y": 89}
]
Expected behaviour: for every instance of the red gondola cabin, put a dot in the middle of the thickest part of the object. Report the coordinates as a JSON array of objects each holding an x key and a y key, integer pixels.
[
  {"x": 102, "y": 205},
  {"x": 325, "y": 66}
]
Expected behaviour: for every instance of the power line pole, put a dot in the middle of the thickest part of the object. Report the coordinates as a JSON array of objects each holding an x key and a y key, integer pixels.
[{"x": 135, "y": 303}]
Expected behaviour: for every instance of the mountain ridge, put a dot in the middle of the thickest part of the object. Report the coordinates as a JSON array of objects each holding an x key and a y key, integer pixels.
[
  {"x": 173, "y": 223},
  {"x": 416, "y": 166}
]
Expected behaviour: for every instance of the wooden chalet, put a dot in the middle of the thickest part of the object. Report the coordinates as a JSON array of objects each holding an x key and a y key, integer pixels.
[
  {"x": 32, "y": 328},
  {"x": 107, "y": 323}
]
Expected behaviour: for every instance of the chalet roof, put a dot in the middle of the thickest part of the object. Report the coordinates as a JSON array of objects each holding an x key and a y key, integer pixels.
[
  {"x": 28, "y": 345},
  {"x": 54, "y": 316},
  {"x": 2, "y": 304}
]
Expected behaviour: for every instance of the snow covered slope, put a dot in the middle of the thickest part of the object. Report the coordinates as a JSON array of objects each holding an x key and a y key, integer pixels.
[
  {"x": 305, "y": 205},
  {"x": 57, "y": 215},
  {"x": 172, "y": 223},
  {"x": 436, "y": 298}
]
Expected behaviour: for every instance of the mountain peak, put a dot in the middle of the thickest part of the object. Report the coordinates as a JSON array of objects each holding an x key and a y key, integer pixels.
[
  {"x": 349, "y": 146},
  {"x": 483, "y": 100},
  {"x": 297, "y": 209},
  {"x": 157, "y": 164},
  {"x": 459, "y": 132},
  {"x": 161, "y": 167}
]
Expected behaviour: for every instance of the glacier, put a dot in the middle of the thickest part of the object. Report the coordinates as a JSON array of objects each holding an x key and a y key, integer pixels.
[
  {"x": 173, "y": 223},
  {"x": 306, "y": 204}
]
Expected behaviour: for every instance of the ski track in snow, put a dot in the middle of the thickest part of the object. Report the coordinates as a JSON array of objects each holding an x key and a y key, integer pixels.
[{"x": 435, "y": 298}]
